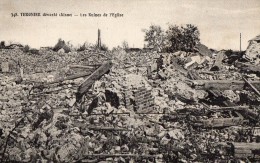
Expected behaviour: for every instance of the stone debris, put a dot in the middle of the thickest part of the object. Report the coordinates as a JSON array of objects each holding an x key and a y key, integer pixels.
[{"x": 141, "y": 107}]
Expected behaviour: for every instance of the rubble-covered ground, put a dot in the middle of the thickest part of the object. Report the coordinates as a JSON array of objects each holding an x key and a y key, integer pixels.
[{"x": 41, "y": 122}]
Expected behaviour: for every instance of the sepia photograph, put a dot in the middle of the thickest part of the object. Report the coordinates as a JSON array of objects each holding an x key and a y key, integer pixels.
[{"x": 141, "y": 81}]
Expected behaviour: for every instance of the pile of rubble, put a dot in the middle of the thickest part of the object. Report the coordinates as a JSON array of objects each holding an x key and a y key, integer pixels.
[{"x": 136, "y": 107}]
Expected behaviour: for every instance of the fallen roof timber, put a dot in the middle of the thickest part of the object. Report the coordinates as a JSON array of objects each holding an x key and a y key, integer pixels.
[
  {"x": 229, "y": 108},
  {"x": 253, "y": 87},
  {"x": 121, "y": 155},
  {"x": 217, "y": 93},
  {"x": 247, "y": 113},
  {"x": 223, "y": 85},
  {"x": 62, "y": 79},
  {"x": 84, "y": 66},
  {"x": 93, "y": 77},
  {"x": 108, "y": 128},
  {"x": 238, "y": 119},
  {"x": 243, "y": 150}
]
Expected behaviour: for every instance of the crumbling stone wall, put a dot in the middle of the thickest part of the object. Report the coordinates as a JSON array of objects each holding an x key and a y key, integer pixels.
[
  {"x": 143, "y": 98},
  {"x": 138, "y": 98}
]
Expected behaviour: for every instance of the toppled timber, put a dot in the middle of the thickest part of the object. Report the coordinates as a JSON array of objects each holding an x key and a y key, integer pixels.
[
  {"x": 109, "y": 114},
  {"x": 99, "y": 114},
  {"x": 244, "y": 150},
  {"x": 158, "y": 113},
  {"x": 223, "y": 84},
  {"x": 254, "y": 131},
  {"x": 195, "y": 76},
  {"x": 108, "y": 128},
  {"x": 222, "y": 122},
  {"x": 88, "y": 160},
  {"x": 94, "y": 76},
  {"x": 229, "y": 108},
  {"x": 252, "y": 86},
  {"x": 72, "y": 77},
  {"x": 152, "y": 121},
  {"x": 48, "y": 92},
  {"x": 245, "y": 110},
  {"x": 117, "y": 155},
  {"x": 121, "y": 155},
  {"x": 85, "y": 66}
]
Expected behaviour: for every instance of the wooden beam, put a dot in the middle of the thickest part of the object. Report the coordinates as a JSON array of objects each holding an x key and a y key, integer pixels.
[
  {"x": 72, "y": 77},
  {"x": 84, "y": 66},
  {"x": 250, "y": 146},
  {"x": 252, "y": 86},
  {"x": 217, "y": 93},
  {"x": 106, "y": 114},
  {"x": 158, "y": 113},
  {"x": 120, "y": 155},
  {"x": 229, "y": 108},
  {"x": 108, "y": 128},
  {"x": 244, "y": 150},
  {"x": 93, "y": 77},
  {"x": 223, "y": 84}
]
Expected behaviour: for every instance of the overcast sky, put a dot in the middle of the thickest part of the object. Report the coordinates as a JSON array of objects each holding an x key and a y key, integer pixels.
[{"x": 219, "y": 21}]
